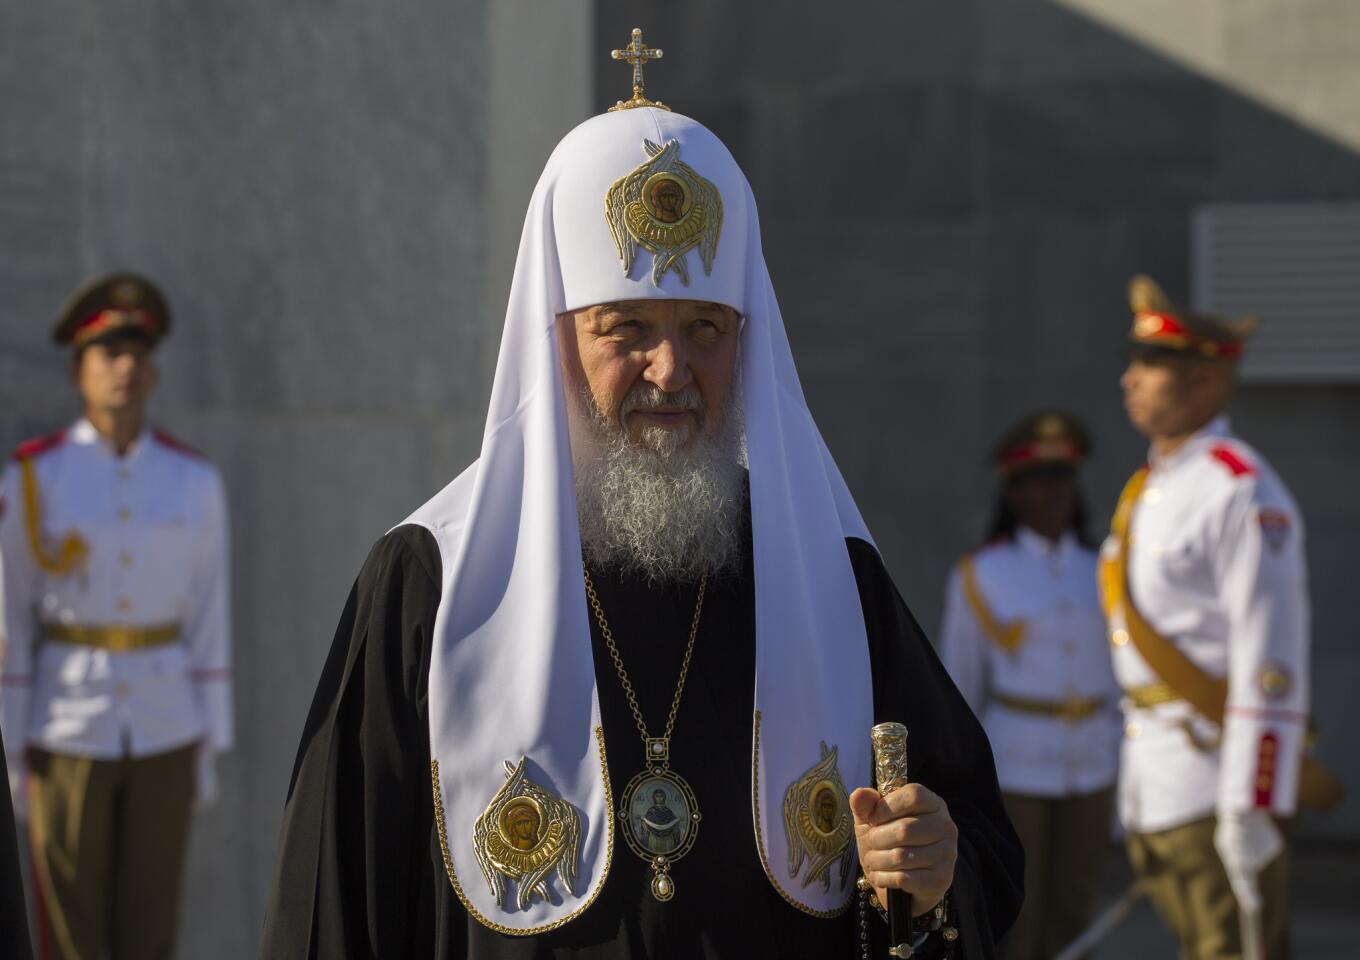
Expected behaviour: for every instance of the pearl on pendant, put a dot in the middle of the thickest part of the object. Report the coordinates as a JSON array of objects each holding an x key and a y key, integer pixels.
[{"x": 662, "y": 888}]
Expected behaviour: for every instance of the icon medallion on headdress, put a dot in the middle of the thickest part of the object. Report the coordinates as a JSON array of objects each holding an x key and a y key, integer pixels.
[
  {"x": 818, "y": 823},
  {"x": 665, "y": 207},
  {"x": 523, "y": 835}
]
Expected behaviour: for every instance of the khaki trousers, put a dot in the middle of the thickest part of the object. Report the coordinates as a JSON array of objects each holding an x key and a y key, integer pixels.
[
  {"x": 1066, "y": 841},
  {"x": 108, "y": 841},
  {"x": 1189, "y": 887}
]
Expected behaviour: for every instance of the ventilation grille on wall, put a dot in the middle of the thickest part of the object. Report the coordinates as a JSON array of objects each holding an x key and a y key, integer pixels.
[{"x": 1297, "y": 267}]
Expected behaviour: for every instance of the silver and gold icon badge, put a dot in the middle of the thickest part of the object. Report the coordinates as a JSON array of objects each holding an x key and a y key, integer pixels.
[
  {"x": 523, "y": 835},
  {"x": 818, "y": 823},
  {"x": 665, "y": 207}
]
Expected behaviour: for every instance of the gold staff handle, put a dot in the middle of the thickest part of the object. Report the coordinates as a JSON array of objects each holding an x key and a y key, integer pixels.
[{"x": 890, "y": 771}]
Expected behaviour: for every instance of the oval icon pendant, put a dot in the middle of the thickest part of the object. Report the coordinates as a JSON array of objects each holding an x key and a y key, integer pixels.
[{"x": 660, "y": 817}]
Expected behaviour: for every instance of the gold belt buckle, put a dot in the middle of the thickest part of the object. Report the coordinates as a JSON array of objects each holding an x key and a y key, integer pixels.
[
  {"x": 119, "y": 638},
  {"x": 1075, "y": 709}
]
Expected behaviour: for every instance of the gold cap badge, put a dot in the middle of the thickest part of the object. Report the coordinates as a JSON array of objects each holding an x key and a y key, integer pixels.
[
  {"x": 667, "y": 208},
  {"x": 126, "y": 294},
  {"x": 637, "y": 53}
]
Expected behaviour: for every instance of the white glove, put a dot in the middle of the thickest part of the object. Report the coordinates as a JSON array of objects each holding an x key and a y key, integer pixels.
[
  {"x": 205, "y": 777},
  {"x": 18, "y": 786},
  {"x": 1246, "y": 841}
]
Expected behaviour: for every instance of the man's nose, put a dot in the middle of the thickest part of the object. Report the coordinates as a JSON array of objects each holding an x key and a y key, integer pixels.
[
  {"x": 1127, "y": 377},
  {"x": 668, "y": 366}
]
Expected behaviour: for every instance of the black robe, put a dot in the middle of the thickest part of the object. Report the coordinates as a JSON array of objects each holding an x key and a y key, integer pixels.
[
  {"x": 360, "y": 872},
  {"x": 13, "y": 915}
]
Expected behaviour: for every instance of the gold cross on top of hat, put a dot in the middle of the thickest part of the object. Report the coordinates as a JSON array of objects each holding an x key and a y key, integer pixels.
[{"x": 637, "y": 53}]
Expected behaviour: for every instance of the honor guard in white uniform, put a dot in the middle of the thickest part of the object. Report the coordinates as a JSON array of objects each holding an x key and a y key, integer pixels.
[
  {"x": 1206, "y": 590},
  {"x": 1024, "y": 639},
  {"x": 117, "y": 665}
]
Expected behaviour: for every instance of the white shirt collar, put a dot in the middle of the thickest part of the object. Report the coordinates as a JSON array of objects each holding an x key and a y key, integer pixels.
[
  {"x": 1216, "y": 429},
  {"x": 1040, "y": 545},
  {"x": 84, "y": 433}
]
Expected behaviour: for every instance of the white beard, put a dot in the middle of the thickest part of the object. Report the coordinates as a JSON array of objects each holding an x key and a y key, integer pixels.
[{"x": 650, "y": 507}]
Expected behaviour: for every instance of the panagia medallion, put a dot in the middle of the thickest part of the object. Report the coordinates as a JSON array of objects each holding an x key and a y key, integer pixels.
[{"x": 659, "y": 811}]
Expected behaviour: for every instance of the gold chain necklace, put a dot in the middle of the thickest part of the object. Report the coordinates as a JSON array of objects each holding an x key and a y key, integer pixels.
[{"x": 659, "y": 813}]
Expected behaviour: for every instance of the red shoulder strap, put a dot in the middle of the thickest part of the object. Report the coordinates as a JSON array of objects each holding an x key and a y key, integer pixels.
[
  {"x": 31, "y": 448},
  {"x": 1231, "y": 460}
]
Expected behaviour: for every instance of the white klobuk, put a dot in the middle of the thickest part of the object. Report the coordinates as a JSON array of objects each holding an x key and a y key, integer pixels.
[{"x": 512, "y": 674}]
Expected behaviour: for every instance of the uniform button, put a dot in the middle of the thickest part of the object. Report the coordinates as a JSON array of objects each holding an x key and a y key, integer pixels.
[
  {"x": 1119, "y": 637},
  {"x": 122, "y": 690},
  {"x": 123, "y": 473},
  {"x": 125, "y": 559},
  {"x": 124, "y": 514},
  {"x": 1132, "y": 730},
  {"x": 1069, "y": 647},
  {"x": 1064, "y": 606},
  {"x": 124, "y": 604}
]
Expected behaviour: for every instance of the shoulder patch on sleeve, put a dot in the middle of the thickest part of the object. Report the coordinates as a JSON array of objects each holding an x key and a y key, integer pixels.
[
  {"x": 39, "y": 445},
  {"x": 174, "y": 443},
  {"x": 1229, "y": 457},
  {"x": 1275, "y": 527}
]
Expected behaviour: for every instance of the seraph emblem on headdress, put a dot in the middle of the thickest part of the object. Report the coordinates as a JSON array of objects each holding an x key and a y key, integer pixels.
[
  {"x": 523, "y": 835},
  {"x": 818, "y": 823},
  {"x": 664, "y": 206}
]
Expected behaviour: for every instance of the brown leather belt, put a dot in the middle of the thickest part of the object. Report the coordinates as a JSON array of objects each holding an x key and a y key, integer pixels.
[
  {"x": 117, "y": 639},
  {"x": 1071, "y": 710}
]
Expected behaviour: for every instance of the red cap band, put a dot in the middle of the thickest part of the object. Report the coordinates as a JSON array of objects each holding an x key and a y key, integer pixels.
[
  {"x": 106, "y": 320},
  {"x": 1165, "y": 330},
  {"x": 1040, "y": 451}
]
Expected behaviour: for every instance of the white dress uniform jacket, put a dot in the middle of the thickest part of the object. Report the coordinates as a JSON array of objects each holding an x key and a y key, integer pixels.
[
  {"x": 155, "y": 524},
  {"x": 1062, "y": 659},
  {"x": 1216, "y": 565}
]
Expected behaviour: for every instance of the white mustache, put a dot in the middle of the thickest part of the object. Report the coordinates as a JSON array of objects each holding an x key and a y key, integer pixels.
[{"x": 648, "y": 396}]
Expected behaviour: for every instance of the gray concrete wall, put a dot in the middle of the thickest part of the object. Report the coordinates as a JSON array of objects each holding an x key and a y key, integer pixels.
[
  {"x": 953, "y": 197},
  {"x": 331, "y": 194}
]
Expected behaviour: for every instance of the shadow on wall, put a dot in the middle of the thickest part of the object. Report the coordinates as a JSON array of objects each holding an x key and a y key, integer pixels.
[{"x": 953, "y": 199}]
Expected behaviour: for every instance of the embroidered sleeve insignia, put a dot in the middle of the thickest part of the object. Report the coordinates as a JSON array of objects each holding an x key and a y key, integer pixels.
[
  {"x": 818, "y": 823},
  {"x": 665, "y": 207},
  {"x": 523, "y": 835},
  {"x": 1275, "y": 526}
]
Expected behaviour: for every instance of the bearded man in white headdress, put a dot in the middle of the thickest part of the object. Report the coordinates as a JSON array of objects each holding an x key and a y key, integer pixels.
[{"x": 653, "y": 581}]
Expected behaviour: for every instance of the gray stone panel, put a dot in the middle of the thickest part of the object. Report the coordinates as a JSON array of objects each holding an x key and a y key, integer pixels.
[
  {"x": 312, "y": 183},
  {"x": 309, "y": 496},
  {"x": 990, "y": 187}
]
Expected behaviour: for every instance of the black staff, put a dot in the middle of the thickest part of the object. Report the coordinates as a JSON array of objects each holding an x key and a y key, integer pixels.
[{"x": 890, "y": 770}]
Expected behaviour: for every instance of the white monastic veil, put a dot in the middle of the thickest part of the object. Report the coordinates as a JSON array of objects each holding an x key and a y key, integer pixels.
[{"x": 512, "y": 673}]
